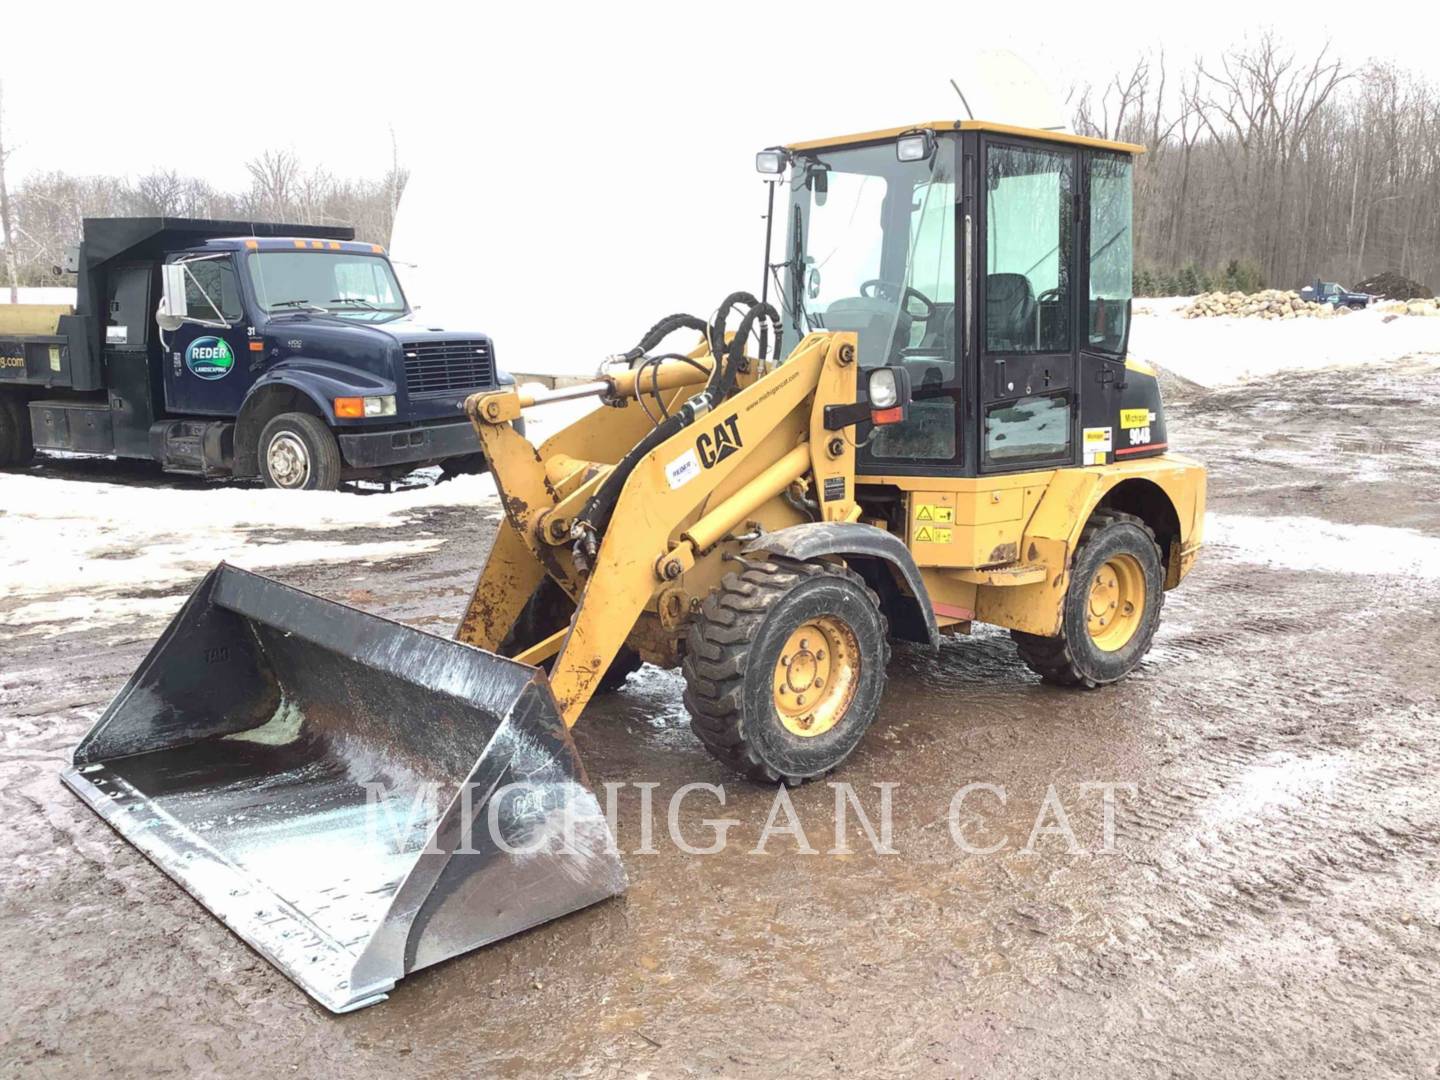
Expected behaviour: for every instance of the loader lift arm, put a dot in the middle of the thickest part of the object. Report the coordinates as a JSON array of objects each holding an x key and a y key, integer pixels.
[{"x": 663, "y": 518}]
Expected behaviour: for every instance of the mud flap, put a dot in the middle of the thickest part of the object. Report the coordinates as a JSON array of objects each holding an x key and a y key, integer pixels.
[{"x": 354, "y": 798}]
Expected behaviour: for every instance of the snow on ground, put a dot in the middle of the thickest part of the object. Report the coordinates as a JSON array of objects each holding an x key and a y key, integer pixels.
[
  {"x": 97, "y": 544},
  {"x": 1215, "y": 351},
  {"x": 77, "y": 552},
  {"x": 1314, "y": 545}
]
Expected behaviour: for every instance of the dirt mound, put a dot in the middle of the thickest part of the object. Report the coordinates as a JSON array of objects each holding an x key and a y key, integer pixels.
[
  {"x": 1270, "y": 304},
  {"x": 1394, "y": 286}
]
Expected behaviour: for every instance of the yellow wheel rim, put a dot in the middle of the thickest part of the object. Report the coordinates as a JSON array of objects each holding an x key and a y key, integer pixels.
[
  {"x": 816, "y": 676},
  {"x": 1117, "y": 602}
]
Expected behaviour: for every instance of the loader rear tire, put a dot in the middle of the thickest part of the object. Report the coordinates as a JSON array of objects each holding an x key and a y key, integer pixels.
[
  {"x": 785, "y": 667},
  {"x": 17, "y": 444},
  {"x": 1111, "y": 609}
]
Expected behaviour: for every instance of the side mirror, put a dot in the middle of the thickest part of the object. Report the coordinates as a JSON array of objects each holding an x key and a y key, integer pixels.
[{"x": 173, "y": 309}]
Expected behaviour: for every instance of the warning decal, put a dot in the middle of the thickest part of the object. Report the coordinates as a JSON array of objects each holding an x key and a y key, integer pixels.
[
  {"x": 1098, "y": 443},
  {"x": 932, "y": 534},
  {"x": 935, "y": 512}
]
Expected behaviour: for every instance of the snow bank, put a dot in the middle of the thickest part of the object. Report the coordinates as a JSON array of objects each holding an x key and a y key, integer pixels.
[
  {"x": 1314, "y": 545},
  {"x": 1222, "y": 350},
  {"x": 49, "y": 294},
  {"x": 76, "y": 552}
]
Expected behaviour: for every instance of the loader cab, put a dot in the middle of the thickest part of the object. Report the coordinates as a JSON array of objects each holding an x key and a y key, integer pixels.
[{"x": 994, "y": 263}]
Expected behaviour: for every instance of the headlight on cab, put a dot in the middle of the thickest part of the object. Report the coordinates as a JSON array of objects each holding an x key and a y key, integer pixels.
[{"x": 354, "y": 408}]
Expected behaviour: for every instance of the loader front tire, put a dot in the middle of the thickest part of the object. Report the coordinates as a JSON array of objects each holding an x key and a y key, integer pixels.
[
  {"x": 785, "y": 667},
  {"x": 1111, "y": 609}
]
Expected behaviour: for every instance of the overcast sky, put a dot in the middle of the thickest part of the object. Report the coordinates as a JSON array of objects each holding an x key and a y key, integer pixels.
[
  {"x": 199, "y": 87},
  {"x": 578, "y": 171}
]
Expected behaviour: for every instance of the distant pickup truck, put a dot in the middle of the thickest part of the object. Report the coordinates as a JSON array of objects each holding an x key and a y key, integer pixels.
[
  {"x": 286, "y": 353},
  {"x": 1334, "y": 294}
]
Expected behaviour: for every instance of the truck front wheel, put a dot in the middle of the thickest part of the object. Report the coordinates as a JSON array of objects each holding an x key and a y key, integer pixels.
[{"x": 299, "y": 453}]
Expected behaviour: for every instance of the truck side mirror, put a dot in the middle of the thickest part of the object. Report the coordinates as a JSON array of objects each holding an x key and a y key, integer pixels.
[{"x": 173, "y": 308}]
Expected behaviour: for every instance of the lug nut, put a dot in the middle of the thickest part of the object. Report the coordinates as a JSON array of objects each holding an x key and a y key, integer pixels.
[{"x": 819, "y": 654}]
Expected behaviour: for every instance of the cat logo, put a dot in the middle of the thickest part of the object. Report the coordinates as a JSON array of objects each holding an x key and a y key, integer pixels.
[{"x": 720, "y": 444}]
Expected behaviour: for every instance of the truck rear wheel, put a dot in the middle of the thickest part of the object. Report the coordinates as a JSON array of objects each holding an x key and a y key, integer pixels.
[
  {"x": 785, "y": 667},
  {"x": 299, "y": 453},
  {"x": 17, "y": 444},
  {"x": 1111, "y": 610}
]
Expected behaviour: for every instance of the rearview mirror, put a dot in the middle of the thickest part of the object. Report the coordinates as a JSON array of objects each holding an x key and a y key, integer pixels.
[{"x": 173, "y": 308}]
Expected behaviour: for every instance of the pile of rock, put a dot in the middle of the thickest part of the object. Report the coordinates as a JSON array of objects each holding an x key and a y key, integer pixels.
[
  {"x": 1269, "y": 304},
  {"x": 1414, "y": 307}
]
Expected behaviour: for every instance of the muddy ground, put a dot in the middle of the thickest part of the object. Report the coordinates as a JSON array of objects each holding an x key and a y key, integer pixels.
[{"x": 1270, "y": 906}]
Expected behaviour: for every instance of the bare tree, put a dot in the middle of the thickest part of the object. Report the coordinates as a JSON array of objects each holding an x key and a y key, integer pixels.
[{"x": 7, "y": 227}]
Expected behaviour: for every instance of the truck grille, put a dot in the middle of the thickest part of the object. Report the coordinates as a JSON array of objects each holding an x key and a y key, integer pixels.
[{"x": 440, "y": 367}]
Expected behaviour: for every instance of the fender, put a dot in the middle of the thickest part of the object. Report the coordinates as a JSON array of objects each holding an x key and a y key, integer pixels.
[
  {"x": 321, "y": 381},
  {"x": 817, "y": 539}
]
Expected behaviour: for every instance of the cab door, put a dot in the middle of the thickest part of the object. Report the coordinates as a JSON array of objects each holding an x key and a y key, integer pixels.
[
  {"x": 1027, "y": 306},
  {"x": 207, "y": 360}
]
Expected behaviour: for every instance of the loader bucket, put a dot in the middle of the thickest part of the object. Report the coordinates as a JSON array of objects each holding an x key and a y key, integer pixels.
[{"x": 354, "y": 798}]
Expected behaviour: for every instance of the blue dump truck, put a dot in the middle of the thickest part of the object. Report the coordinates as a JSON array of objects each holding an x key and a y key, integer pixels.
[
  {"x": 284, "y": 353},
  {"x": 1336, "y": 295}
]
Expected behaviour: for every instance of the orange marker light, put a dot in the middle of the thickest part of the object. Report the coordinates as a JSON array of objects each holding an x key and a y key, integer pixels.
[
  {"x": 350, "y": 406},
  {"x": 300, "y": 243},
  {"x": 252, "y": 244},
  {"x": 887, "y": 416},
  {"x": 377, "y": 249},
  {"x": 257, "y": 346}
]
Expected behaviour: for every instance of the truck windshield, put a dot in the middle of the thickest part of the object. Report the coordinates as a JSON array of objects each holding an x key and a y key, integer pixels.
[
  {"x": 343, "y": 283},
  {"x": 871, "y": 248}
]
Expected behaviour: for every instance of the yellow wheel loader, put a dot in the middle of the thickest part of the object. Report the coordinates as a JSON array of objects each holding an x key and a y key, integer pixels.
[{"x": 955, "y": 436}]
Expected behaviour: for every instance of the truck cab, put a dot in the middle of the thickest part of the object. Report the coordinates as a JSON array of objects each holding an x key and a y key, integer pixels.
[
  {"x": 239, "y": 349},
  {"x": 1335, "y": 294}
]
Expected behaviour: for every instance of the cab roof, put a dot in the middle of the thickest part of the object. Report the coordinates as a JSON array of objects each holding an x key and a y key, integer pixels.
[
  {"x": 288, "y": 243},
  {"x": 942, "y": 126}
]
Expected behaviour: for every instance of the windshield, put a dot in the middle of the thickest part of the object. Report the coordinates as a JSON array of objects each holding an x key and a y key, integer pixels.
[
  {"x": 871, "y": 248},
  {"x": 350, "y": 284}
]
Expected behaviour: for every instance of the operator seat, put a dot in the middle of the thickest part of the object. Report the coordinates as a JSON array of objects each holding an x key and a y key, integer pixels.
[
  {"x": 883, "y": 327},
  {"x": 1009, "y": 312}
]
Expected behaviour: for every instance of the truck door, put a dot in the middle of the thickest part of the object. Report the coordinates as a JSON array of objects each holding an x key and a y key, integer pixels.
[
  {"x": 1027, "y": 307},
  {"x": 207, "y": 362}
]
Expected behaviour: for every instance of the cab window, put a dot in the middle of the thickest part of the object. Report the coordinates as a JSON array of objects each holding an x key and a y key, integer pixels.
[
  {"x": 212, "y": 291},
  {"x": 1028, "y": 243},
  {"x": 1110, "y": 253}
]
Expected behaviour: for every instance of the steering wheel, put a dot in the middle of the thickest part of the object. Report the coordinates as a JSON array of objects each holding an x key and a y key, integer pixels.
[{"x": 893, "y": 290}]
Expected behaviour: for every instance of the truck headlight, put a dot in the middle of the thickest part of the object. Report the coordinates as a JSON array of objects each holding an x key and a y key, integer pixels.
[
  {"x": 380, "y": 406},
  {"x": 354, "y": 408}
]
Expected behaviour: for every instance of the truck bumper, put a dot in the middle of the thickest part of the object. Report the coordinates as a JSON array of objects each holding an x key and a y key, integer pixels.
[{"x": 377, "y": 449}]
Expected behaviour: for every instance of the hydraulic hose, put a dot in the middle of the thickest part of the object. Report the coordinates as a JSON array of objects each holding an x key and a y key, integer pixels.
[{"x": 594, "y": 518}]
